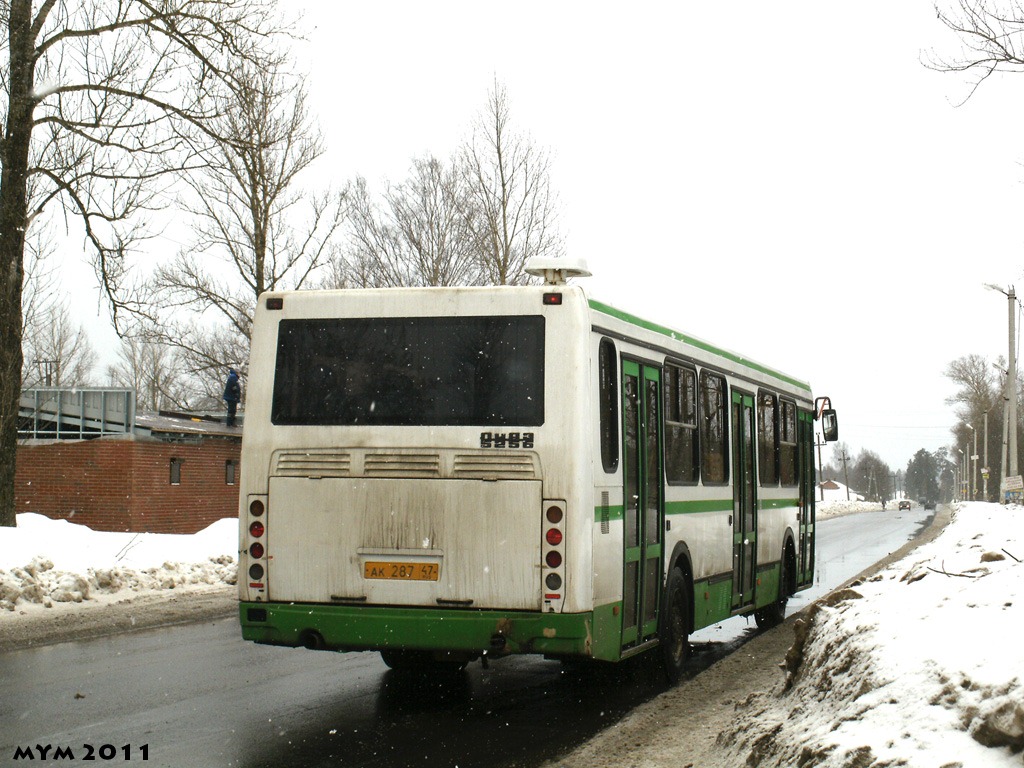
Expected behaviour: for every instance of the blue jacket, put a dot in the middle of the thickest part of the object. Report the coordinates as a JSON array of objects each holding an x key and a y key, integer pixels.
[{"x": 232, "y": 390}]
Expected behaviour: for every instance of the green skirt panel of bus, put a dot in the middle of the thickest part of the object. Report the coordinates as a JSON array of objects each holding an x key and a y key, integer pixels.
[
  {"x": 357, "y": 628},
  {"x": 405, "y": 542}
]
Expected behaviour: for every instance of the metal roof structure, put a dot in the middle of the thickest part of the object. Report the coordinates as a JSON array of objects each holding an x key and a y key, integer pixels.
[{"x": 81, "y": 413}]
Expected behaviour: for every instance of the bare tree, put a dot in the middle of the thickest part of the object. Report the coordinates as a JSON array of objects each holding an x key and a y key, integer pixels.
[
  {"x": 977, "y": 386},
  {"x": 153, "y": 371},
  {"x": 474, "y": 221},
  {"x": 40, "y": 283},
  {"x": 871, "y": 476},
  {"x": 979, "y": 397},
  {"x": 89, "y": 94},
  {"x": 57, "y": 351},
  {"x": 510, "y": 185},
  {"x": 991, "y": 33},
  {"x": 421, "y": 234},
  {"x": 255, "y": 229}
]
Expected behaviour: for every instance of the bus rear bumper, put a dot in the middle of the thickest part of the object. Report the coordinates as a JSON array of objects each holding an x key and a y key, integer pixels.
[{"x": 368, "y": 628}]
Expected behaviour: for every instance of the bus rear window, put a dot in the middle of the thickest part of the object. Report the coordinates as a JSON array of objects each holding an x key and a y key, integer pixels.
[{"x": 407, "y": 371}]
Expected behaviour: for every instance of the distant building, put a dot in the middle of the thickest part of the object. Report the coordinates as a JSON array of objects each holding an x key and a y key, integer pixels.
[
  {"x": 84, "y": 455},
  {"x": 830, "y": 490}
]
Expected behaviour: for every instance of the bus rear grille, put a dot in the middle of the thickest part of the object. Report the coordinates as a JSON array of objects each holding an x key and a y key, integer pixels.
[
  {"x": 484, "y": 465},
  {"x": 319, "y": 464},
  {"x": 514, "y": 466},
  {"x": 402, "y": 465}
]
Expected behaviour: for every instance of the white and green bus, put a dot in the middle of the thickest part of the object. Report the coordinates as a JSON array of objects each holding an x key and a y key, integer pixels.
[{"x": 444, "y": 474}]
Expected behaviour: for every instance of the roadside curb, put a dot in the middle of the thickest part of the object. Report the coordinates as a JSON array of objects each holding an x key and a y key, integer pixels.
[
  {"x": 690, "y": 716},
  {"x": 162, "y": 609}
]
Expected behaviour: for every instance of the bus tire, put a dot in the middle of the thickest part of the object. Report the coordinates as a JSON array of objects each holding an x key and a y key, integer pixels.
[
  {"x": 674, "y": 627},
  {"x": 774, "y": 614}
]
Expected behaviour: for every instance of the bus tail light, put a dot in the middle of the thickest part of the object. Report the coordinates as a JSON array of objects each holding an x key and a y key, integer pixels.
[
  {"x": 553, "y": 548},
  {"x": 254, "y": 546}
]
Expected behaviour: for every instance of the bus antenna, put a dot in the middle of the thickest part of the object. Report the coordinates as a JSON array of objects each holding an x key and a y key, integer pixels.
[{"x": 556, "y": 271}]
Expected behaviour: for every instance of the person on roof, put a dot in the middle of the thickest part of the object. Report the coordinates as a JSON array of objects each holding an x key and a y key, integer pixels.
[{"x": 232, "y": 394}]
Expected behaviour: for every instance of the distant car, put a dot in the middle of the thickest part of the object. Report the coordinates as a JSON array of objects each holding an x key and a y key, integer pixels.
[
  {"x": 929, "y": 504},
  {"x": 904, "y": 503}
]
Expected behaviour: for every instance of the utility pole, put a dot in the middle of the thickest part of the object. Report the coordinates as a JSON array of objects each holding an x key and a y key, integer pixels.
[
  {"x": 821, "y": 489},
  {"x": 846, "y": 477},
  {"x": 1011, "y": 387},
  {"x": 1004, "y": 464},
  {"x": 984, "y": 469},
  {"x": 1012, "y": 380},
  {"x": 974, "y": 466},
  {"x": 46, "y": 369},
  {"x": 963, "y": 474}
]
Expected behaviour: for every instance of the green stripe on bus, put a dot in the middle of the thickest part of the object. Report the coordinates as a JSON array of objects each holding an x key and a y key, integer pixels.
[
  {"x": 359, "y": 627},
  {"x": 609, "y": 513},
  {"x": 691, "y": 507},
  {"x": 776, "y": 503},
  {"x": 671, "y": 508},
  {"x": 700, "y": 505},
  {"x": 676, "y": 335}
]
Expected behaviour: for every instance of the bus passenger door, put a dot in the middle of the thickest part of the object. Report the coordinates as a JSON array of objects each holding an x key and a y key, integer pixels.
[
  {"x": 808, "y": 487},
  {"x": 744, "y": 516},
  {"x": 643, "y": 508}
]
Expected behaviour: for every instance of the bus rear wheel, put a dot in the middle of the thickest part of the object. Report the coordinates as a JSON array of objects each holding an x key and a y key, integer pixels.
[{"x": 673, "y": 629}]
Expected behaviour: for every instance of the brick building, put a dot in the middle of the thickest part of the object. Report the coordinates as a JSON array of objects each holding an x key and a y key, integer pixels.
[{"x": 159, "y": 473}]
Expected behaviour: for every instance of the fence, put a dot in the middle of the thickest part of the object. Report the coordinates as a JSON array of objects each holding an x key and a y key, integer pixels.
[{"x": 52, "y": 413}]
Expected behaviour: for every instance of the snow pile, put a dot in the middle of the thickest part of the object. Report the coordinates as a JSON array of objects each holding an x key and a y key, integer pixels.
[
  {"x": 826, "y": 509},
  {"x": 45, "y": 561},
  {"x": 922, "y": 664},
  {"x": 833, "y": 490}
]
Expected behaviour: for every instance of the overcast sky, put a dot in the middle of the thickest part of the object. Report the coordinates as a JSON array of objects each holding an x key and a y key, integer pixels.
[{"x": 782, "y": 179}]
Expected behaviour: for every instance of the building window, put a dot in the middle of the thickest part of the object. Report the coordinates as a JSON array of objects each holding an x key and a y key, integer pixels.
[
  {"x": 176, "y": 471},
  {"x": 230, "y": 471},
  {"x": 714, "y": 429},
  {"x": 682, "y": 459},
  {"x": 768, "y": 437}
]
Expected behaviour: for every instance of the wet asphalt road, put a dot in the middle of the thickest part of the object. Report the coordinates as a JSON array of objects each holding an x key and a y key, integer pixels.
[{"x": 195, "y": 696}]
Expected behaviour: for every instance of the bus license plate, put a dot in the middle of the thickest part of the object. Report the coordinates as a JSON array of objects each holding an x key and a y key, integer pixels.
[{"x": 397, "y": 570}]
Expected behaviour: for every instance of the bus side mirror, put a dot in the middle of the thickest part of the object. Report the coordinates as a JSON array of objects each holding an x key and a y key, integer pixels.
[{"x": 829, "y": 425}]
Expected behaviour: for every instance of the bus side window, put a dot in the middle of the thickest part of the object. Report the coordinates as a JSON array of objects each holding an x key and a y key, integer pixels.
[
  {"x": 787, "y": 444},
  {"x": 768, "y": 437},
  {"x": 682, "y": 459},
  {"x": 714, "y": 432},
  {"x": 608, "y": 404}
]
